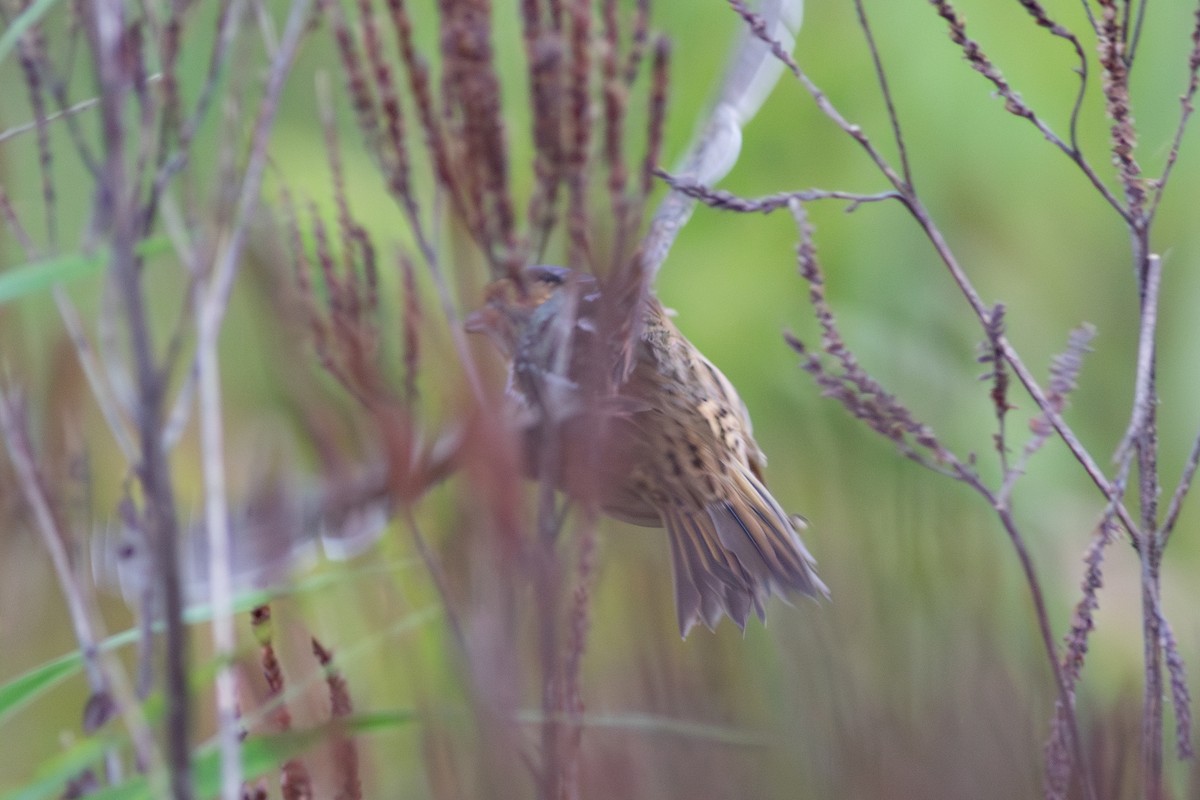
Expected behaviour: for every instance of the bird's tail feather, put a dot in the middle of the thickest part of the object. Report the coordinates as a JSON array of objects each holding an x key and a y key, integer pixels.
[{"x": 734, "y": 554}]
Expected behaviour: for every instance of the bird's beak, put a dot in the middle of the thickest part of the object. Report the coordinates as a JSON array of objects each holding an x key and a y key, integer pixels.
[
  {"x": 491, "y": 322},
  {"x": 481, "y": 321}
]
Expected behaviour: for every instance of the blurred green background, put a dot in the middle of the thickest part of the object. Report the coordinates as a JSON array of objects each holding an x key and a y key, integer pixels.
[{"x": 924, "y": 677}]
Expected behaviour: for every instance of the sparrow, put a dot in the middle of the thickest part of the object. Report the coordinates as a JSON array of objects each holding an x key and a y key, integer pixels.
[{"x": 653, "y": 433}]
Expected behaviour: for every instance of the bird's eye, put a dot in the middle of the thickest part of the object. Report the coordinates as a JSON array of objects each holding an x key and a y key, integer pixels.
[{"x": 550, "y": 278}]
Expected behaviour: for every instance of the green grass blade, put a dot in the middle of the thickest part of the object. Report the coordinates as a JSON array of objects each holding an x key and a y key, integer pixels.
[
  {"x": 24, "y": 21},
  {"x": 37, "y": 276},
  {"x": 25, "y": 688},
  {"x": 261, "y": 755},
  {"x": 57, "y": 771}
]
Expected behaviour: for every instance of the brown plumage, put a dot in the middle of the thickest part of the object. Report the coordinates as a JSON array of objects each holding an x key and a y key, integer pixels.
[{"x": 670, "y": 446}]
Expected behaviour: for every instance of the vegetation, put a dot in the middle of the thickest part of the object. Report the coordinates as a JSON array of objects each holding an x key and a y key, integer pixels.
[{"x": 239, "y": 242}]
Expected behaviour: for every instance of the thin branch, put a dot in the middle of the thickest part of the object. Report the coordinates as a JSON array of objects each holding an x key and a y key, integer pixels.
[
  {"x": 881, "y": 78},
  {"x": 118, "y": 424},
  {"x": 1066, "y": 693},
  {"x": 1043, "y": 19},
  {"x": 925, "y": 220},
  {"x": 1083, "y": 622},
  {"x": 26, "y": 127},
  {"x": 58, "y": 88},
  {"x": 1091, "y": 15},
  {"x": 1142, "y": 389},
  {"x": 1181, "y": 490},
  {"x": 1081, "y": 454},
  {"x": 16, "y": 226},
  {"x": 228, "y": 26},
  {"x": 1152, "y": 648},
  {"x": 1136, "y": 37},
  {"x": 226, "y": 263},
  {"x": 437, "y": 575},
  {"x": 865, "y": 399},
  {"x": 29, "y": 46},
  {"x": 110, "y": 692},
  {"x": 212, "y": 304},
  {"x": 216, "y": 512},
  {"x": 761, "y": 30},
  {"x": 1187, "y": 107},
  {"x": 14, "y": 428},
  {"x": 1014, "y": 104},
  {"x": 116, "y": 209},
  {"x": 720, "y": 199}
]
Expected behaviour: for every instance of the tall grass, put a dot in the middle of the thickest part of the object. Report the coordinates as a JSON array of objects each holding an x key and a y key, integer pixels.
[{"x": 195, "y": 318}]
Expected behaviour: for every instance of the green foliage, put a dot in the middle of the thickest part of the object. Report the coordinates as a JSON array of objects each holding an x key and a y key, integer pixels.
[
  {"x": 30, "y": 278},
  {"x": 261, "y": 755},
  {"x": 22, "y": 23}
]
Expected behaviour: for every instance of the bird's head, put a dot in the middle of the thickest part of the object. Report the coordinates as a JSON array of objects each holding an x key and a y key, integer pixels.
[{"x": 509, "y": 304}]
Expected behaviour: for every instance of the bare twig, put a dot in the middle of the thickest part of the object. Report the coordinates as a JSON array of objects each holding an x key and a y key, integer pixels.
[
  {"x": 881, "y": 79},
  {"x": 1186, "y": 480},
  {"x": 1065, "y": 688},
  {"x": 1013, "y": 103},
  {"x": 868, "y": 401},
  {"x": 30, "y": 47},
  {"x": 118, "y": 425},
  {"x": 1058, "y": 760},
  {"x": 720, "y": 199},
  {"x": 1136, "y": 36},
  {"x": 1043, "y": 19},
  {"x": 925, "y": 220},
  {"x": 1024, "y": 375},
  {"x": 67, "y": 112},
  {"x": 26, "y": 127},
  {"x": 110, "y": 692},
  {"x": 1187, "y": 107},
  {"x": 437, "y": 574},
  {"x": 14, "y": 427},
  {"x": 1142, "y": 397},
  {"x": 171, "y": 163},
  {"x": 1152, "y": 700},
  {"x": 117, "y": 208},
  {"x": 15, "y": 225},
  {"x": 1113, "y": 41},
  {"x": 211, "y": 306}
]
